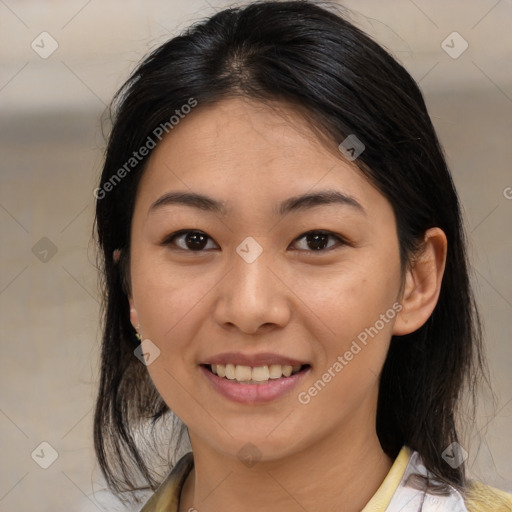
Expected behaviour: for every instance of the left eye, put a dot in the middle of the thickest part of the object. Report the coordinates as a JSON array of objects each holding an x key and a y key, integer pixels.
[{"x": 318, "y": 240}]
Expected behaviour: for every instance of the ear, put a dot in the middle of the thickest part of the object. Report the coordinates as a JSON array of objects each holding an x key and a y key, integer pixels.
[
  {"x": 422, "y": 283},
  {"x": 134, "y": 316}
]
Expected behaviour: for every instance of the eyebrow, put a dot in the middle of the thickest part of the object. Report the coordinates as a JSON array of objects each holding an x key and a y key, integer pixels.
[{"x": 292, "y": 204}]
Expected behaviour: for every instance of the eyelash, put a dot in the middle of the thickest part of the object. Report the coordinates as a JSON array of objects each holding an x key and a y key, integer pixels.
[{"x": 169, "y": 240}]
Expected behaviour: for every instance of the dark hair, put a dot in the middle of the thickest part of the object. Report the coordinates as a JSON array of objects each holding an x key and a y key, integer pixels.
[{"x": 306, "y": 55}]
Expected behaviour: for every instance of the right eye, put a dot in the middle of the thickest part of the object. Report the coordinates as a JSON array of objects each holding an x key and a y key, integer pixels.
[{"x": 189, "y": 240}]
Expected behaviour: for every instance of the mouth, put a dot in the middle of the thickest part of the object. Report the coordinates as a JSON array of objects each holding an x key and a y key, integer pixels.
[
  {"x": 253, "y": 385},
  {"x": 258, "y": 375}
]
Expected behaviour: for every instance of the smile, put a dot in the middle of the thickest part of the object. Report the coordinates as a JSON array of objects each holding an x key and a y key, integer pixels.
[
  {"x": 256, "y": 374},
  {"x": 254, "y": 384}
]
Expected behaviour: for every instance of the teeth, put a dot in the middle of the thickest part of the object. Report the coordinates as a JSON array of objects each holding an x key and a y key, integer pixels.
[
  {"x": 260, "y": 373},
  {"x": 287, "y": 370},
  {"x": 243, "y": 373},
  {"x": 275, "y": 371},
  {"x": 230, "y": 371}
]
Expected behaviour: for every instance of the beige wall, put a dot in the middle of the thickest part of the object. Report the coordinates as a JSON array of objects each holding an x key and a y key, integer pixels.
[
  {"x": 51, "y": 153},
  {"x": 101, "y": 40}
]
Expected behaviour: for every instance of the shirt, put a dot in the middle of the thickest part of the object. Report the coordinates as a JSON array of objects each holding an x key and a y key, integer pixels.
[{"x": 403, "y": 490}]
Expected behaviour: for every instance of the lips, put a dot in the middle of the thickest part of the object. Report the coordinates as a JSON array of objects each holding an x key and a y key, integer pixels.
[
  {"x": 252, "y": 392},
  {"x": 253, "y": 379}
]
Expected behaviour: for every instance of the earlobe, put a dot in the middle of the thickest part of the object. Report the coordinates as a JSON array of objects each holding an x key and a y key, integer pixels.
[
  {"x": 134, "y": 316},
  {"x": 422, "y": 283}
]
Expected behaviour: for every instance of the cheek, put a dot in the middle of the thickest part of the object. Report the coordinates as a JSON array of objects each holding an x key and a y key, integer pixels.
[
  {"x": 347, "y": 375},
  {"x": 359, "y": 307},
  {"x": 169, "y": 306},
  {"x": 353, "y": 298},
  {"x": 168, "y": 300}
]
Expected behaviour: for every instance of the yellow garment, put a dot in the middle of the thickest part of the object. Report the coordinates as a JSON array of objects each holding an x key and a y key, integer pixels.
[
  {"x": 167, "y": 496},
  {"x": 479, "y": 497},
  {"x": 483, "y": 498},
  {"x": 382, "y": 497}
]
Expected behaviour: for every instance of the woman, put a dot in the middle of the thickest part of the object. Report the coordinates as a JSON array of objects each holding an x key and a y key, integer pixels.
[{"x": 285, "y": 270}]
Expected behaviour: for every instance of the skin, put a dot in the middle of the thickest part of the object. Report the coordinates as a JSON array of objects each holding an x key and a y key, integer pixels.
[{"x": 292, "y": 300}]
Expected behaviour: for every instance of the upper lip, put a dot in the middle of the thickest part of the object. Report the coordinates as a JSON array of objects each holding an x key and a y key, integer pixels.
[{"x": 264, "y": 359}]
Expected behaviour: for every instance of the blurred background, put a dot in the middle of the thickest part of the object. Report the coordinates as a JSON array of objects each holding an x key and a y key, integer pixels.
[{"x": 60, "y": 64}]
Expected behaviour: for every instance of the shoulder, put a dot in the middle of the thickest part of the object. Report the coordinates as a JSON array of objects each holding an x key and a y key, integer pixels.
[
  {"x": 484, "y": 498},
  {"x": 419, "y": 486}
]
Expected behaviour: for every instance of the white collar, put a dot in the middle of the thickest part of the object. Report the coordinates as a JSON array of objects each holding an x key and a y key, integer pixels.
[{"x": 412, "y": 494}]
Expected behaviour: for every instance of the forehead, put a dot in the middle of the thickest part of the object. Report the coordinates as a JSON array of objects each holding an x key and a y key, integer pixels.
[
  {"x": 246, "y": 152},
  {"x": 240, "y": 129}
]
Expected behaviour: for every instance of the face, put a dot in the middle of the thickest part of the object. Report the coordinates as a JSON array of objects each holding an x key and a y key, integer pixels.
[{"x": 256, "y": 252}]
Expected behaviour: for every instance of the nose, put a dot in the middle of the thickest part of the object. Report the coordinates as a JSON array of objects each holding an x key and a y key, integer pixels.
[{"x": 252, "y": 297}]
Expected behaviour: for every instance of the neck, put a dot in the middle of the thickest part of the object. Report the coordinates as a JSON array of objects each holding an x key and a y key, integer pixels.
[{"x": 340, "y": 472}]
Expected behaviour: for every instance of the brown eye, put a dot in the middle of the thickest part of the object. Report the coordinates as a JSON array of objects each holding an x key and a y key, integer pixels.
[
  {"x": 189, "y": 240},
  {"x": 319, "y": 241}
]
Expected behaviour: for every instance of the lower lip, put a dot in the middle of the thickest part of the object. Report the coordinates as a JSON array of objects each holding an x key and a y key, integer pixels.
[{"x": 254, "y": 393}]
